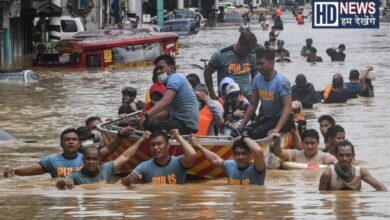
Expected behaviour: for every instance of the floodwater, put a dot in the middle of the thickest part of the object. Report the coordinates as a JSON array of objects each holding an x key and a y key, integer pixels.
[{"x": 37, "y": 113}]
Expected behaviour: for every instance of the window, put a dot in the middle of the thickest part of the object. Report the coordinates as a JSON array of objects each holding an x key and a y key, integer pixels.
[{"x": 68, "y": 26}]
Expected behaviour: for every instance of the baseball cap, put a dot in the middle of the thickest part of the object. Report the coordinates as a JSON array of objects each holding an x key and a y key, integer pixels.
[{"x": 233, "y": 87}]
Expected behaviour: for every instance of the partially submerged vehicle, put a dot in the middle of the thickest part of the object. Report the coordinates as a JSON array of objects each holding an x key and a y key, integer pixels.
[
  {"x": 221, "y": 145},
  {"x": 197, "y": 17},
  {"x": 21, "y": 76},
  {"x": 105, "y": 48},
  {"x": 184, "y": 26}
]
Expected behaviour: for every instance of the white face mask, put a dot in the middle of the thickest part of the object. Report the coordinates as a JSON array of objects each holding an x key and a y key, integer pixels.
[
  {"x": 163, "y": 78},
  {"x": 98, "y": 135},
  {"x": 87, "y": 143}
]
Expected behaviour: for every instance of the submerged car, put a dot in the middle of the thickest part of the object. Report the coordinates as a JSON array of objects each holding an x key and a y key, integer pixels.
[
  {"x": 180, "y": 26},
  {"x": 23, "y": 76},
  {"x": 197, "y": 17}
]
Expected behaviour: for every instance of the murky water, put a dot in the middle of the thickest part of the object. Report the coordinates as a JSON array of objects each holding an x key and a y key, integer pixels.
[{"x": 37, "y": 113}]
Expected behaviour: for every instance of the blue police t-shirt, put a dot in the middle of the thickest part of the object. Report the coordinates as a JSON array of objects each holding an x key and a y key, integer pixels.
[
  {"x": 229, "y": 64},
  {"x": 246, "y": 176},
  {"x": 270, "y": 93},
  {"x": 106, "y": 171},
  {"x": 172, "y": 173},
  {"x": 184, "y": 105},
  {"x": 60, "y": 166}
]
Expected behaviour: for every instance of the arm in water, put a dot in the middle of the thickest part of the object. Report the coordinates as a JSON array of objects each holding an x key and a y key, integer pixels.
[
  {"x": 325, "y": 180},
  {"x": 65, "y": 184},
  {"x": 33, "y": 169},
  {"x": 366, "y": 177}
]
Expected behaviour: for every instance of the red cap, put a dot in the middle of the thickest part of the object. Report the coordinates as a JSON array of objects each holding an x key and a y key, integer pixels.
[{"x": 157, "y": 87}]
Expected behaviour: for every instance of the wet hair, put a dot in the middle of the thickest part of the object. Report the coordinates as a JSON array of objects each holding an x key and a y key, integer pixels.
[
  {"x": 247, "y": 37},
  {"x": 240, "y": 144},
  {"x": 309, "y": 40},
  {"x": 193, "y": 79},
  {"x": 90, "y": 148},
  {"x": 158, "y": 134},
  {"x": 342, "y": 46},
  {"x": 343, "y": 144},
  {"x": 310, "y": 133},
  {"x": 67, "y": 131},
  {"x": 91, "y": 119},
  {"x": 267, "y": 55},
  {"x": 333, "y": 130},
  {"x": 167, "y": 58},
  {"x": 328, "y": 118},
  {"x": 354, "y": 75}
]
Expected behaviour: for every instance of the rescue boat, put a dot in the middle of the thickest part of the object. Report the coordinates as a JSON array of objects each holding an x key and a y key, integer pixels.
[{"x": 221, "y": 145}]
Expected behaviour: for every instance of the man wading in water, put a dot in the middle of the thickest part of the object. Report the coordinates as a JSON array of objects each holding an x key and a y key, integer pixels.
[
  {"x": 69, "y": 161},
  {"x": 344, "y": 175}
]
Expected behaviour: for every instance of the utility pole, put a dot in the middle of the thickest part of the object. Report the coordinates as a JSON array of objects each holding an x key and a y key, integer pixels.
[{"x": 160, "y": 12}]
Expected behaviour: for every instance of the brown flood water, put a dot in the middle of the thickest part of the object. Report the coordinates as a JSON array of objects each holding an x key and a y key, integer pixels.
[{"x": 37, "y": 113}]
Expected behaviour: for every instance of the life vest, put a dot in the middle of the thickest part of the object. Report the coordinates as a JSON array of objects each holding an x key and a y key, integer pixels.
[
  {"x": 300, "y": 19},
  {"x": 327, "y": 92},
  {"x": 205, "y": 119},
  {"x": 298, "y": 117},
  {"x": 279, "y": 11}
]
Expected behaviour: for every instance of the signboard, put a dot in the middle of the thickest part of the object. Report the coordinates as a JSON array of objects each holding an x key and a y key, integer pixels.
[
  {"x": 80, "y": 8},
  {"x": 107, "y": 56},
  {"x": 345, "y": 14}
]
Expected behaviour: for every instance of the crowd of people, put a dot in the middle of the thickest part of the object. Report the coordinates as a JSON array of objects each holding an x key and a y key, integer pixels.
[{"x": 179, "y": 105}]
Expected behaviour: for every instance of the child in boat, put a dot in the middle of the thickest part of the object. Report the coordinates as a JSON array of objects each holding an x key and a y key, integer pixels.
[
  {"x": 157, "y": 91},
  {"x": 234, "y": 107}
]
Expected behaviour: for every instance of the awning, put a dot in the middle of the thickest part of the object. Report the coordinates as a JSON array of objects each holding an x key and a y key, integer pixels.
[{"x": 49, "y": 10}]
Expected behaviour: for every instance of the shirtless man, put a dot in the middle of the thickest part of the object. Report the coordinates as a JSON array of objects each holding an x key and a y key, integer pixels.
[
  {"x": 310, "y": 153},
  {"x": 344, "y": 175}
]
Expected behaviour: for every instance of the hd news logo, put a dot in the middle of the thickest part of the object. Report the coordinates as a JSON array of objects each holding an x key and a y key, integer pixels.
[{"x": 345, "y": 14}]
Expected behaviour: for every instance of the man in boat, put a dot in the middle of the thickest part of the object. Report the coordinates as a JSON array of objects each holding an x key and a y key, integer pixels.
[
  {"x": 274, "y": 91},
  {"x": 336, "y": 54},
  {"x": 236, "y": 61},
  {"x": 163, "y": 168},
  {"x": 325, "y": 121},
  {"x": 241, "y": 170},
  {"x": 178, "y": 109},
  {"x": 310, "y": 153},
  {"x": 69, "y": 161},
  {"x": 87, "y": 138},
  {"x": 334, "y": 135},
  {"x": 92, "y": 122},
  {"x": 344, "y": 175},
  {"x": 128, "y": 101},
  {"x": 95, "y": 172}
]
